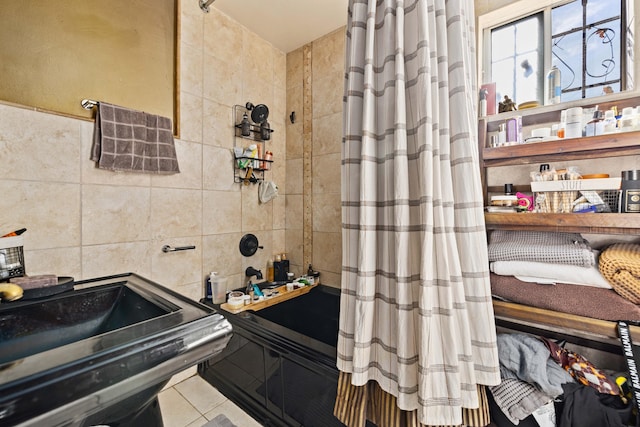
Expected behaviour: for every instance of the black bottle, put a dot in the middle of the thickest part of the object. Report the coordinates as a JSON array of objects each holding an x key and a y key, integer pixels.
[{"x": 245, "y": 126}]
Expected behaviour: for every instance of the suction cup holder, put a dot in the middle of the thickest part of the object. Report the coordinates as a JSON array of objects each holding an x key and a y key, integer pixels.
[
  {"x": 249, "y": 245},
  {"x": 259, "y": 113}
]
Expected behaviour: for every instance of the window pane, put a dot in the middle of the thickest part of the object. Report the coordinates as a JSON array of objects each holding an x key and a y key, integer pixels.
[
  {"x": 528, "y": 87},
  {"x": 502, "y": 74},
  {"x": 603, "y": 53},
  {"x": 528, "y": 33},
  {"x": 517, "y": 57},
  {"x": 502, "y": 43},
  {"x": 566, "y": 17},
  {"x": 566, "y": 54},
  {"x": 597, "y": 10}
]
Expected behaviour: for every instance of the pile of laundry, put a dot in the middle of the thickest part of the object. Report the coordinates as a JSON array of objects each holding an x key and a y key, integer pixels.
[{"x": 544, "y": 384}]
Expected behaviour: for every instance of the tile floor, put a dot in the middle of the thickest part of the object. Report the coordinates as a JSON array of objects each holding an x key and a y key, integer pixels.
[{"x": 193, "y": 402}]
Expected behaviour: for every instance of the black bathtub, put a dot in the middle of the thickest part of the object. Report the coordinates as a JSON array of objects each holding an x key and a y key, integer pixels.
[{"x": 280, "y": 365}]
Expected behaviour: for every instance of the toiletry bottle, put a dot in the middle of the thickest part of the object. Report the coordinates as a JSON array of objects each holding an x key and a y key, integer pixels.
[
  {"x": 554, "y": 90},
  {"x": 245, "y": 125},
  {"x": 270, "y": 270},
  {"x": 596, "y": 125},
  {"x": 563, "y": 124},
  {"x": 265, "y": 131},
  {"x": 209, "y": 288},
  {"x": 502, "y": 134},
  {"x": 268, "y": 156},
  {"x": 259, "y": 164},
  {"x": 609, "y": 121},
  {"x": 482, "y": 111},
  {"x": 628, "y": 120}
]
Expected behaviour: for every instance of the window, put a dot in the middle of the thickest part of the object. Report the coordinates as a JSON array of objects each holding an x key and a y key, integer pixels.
[
  {"x": 517, "y": 59},
  {"x": 588, "y": 40},
  {"x": 594, "y": 25}
]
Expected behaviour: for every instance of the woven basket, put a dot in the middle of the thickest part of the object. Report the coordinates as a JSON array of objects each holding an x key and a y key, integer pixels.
[{"x": 620, "y": 265}]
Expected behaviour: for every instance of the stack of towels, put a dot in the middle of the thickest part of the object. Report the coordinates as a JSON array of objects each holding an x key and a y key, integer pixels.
[{"x": 545, "y": 258}]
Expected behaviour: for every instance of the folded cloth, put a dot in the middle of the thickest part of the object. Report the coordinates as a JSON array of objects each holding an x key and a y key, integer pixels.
[
  {"x": 549, "y": 273},
  {"x": 620, "y": 265},
  {"x": 557, "y": 248},
  {"x": 586, "y": 301},
  {"x": 130, "y": 140}
]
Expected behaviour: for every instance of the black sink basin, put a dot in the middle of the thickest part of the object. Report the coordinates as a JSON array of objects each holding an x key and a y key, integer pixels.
[{"x": 100, "y": 353}]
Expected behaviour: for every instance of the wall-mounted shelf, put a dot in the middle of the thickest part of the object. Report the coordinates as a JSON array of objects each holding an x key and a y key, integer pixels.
[
  {"x": 248, "y": 169},
  {"x": 587, "y": 148}
]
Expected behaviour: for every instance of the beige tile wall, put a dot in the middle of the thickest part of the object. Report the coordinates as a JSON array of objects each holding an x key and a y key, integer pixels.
[
  {"x": 327, "y": 79},
  {"x": 84, "y": 222}
]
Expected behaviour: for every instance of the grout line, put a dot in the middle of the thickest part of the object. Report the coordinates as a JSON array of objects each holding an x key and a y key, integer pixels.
[{"x": 307, "y": 153}]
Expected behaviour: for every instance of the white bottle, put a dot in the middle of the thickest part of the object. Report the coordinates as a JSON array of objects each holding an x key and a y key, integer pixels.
[
  {"x": 609, "y": 121},
  {"x": 483, "y": 103},
  {"x": 628, "y": 120},
  {"x": 553, "y": 88}
]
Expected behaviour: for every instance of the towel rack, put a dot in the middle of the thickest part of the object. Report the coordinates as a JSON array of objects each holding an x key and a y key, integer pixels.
[
  {"x": 88, "y": 104},
  {"x": 168, "y": 248}
]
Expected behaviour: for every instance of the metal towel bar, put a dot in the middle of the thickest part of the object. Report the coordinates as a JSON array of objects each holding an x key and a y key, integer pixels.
[{"x": 168, "y": 248}]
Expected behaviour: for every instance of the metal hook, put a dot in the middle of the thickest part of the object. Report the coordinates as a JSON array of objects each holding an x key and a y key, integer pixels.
[{"x": 204, "y": 5}]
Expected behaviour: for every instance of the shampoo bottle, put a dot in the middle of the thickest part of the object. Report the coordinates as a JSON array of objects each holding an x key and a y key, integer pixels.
[{"x": 270, "y": 277}]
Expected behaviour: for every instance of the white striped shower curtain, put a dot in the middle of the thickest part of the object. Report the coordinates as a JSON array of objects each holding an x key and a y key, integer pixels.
[{"x": 416, "y": 314}]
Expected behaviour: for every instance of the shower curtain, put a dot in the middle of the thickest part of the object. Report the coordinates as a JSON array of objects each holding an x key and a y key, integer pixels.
[{"x": 416, "y": 317}]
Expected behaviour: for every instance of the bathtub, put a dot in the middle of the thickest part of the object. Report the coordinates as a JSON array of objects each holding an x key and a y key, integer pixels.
[{"x": 280, "y": 365}]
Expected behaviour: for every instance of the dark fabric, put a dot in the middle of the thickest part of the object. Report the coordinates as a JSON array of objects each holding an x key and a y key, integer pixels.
[{"x": 585, "y": 407}]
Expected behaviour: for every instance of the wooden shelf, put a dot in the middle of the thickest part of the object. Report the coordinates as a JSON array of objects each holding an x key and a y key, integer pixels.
[
  {"x": 554, "y": 320},
  {"x": 595, "y": 223},
  {"x": 610, "y": 145},
  {"x": 283, "y": 295}
]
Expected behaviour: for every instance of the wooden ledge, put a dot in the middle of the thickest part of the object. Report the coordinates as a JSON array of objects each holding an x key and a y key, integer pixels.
[
  {"x": 283, "y": 295},
  {"x": 555, "y": 319}
]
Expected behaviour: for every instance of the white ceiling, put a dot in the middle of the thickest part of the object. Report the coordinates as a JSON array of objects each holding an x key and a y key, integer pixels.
[{"x": 287, "y": 24}]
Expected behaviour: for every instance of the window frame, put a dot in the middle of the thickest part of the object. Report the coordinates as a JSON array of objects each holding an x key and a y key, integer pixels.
[{"x": 523, "y": 8}]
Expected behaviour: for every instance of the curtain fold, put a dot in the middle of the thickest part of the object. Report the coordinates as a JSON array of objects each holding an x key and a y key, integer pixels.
[{"x": 416, "y": 314}]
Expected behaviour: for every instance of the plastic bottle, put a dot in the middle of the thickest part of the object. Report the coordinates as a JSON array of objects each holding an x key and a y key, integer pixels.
[
  {"x": 562, "y": 126},
  {"x": 483, "y": 103},
  {"x": 270, "y": 272},
  {"x": 554, "y": 90},
  {"x": 245, "y": 125},
  {"x": 609, "y": 121},
  {"x": 209, "y": 291},
  {"x": 628, "y": 120}
]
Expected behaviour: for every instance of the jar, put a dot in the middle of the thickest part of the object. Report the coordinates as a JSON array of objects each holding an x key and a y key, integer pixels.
[
  {"x": 573, "y": 127},
  {"x": 630, "y": 191}
]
